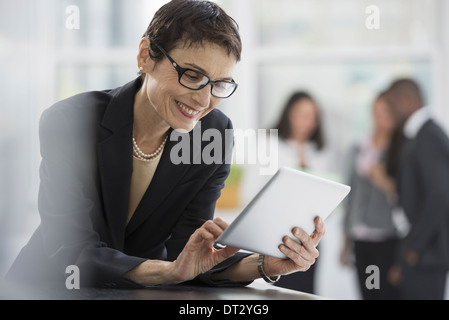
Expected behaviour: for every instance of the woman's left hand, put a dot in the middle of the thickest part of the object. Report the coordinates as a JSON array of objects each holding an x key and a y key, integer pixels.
[{"x": 301, "y": 256}]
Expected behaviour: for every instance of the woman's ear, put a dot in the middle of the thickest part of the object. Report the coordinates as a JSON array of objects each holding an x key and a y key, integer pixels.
[{"x": 144, "y": 61}]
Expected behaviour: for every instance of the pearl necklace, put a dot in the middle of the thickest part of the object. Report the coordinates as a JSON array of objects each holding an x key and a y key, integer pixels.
[{"x": 138, "y": 154}]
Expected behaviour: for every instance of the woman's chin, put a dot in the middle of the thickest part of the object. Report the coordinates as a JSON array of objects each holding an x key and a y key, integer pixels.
[{"x": 185, "y": 127}]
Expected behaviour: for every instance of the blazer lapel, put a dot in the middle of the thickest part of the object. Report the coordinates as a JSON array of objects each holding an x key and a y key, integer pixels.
[{"x": 115, "y": 160}]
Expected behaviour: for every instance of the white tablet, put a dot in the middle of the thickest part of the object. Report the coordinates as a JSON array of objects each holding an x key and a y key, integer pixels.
[{"x": 290, "y": 199}]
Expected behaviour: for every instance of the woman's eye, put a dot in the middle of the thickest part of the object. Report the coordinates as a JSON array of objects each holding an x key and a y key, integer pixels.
[
  {"x": 193, "y": 76},
  {"x": 221, "y": 85}
]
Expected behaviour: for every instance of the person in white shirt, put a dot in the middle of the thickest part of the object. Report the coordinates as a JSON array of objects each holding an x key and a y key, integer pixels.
[{"x": 302, "y": 146}]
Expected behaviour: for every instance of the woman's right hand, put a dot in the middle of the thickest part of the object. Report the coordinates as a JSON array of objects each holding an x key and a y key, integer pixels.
[{"x": 199, "y": 255}]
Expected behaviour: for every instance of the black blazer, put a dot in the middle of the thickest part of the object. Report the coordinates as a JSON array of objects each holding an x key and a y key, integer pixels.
[
  {"x": 86, "y": 147},
  {"x": 423, "y": 185}
]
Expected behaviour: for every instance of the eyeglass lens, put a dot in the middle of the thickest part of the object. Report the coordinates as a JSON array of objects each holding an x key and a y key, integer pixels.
[{"x": 195, "y": 80}]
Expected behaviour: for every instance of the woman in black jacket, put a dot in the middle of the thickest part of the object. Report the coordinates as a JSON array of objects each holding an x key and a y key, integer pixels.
[{"x": 116, "y": 201}]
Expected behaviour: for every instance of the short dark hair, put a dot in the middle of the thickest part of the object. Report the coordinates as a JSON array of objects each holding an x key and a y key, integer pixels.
[
  {"x": 407, "y": 87},
  {"x": 192, "y": 22},
  {"x": 284, "y": 128}
]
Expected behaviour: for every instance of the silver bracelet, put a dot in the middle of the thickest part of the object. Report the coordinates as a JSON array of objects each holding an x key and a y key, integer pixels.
[{"x": 262, "y": 272}]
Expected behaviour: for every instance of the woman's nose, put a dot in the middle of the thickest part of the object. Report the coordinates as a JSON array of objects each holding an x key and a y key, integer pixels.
[{"x": 203, "y": 97}]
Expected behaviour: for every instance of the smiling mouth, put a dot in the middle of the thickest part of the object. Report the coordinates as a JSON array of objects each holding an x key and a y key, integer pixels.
[{"x": 187, "y": 110}]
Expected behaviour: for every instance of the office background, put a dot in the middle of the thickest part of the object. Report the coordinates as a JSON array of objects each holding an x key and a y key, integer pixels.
[{"x": 321, "y": 46}]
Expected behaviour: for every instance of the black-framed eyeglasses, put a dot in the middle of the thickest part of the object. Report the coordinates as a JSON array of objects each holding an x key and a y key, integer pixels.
[{"x": 195, "y": 80}]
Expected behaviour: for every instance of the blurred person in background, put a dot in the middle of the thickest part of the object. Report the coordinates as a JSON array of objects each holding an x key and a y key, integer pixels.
[
  {"x": 370, "y": 233},
  {"x": 300, "y": 129},
  {"x": 302, "y": 146},
  {"x": 423, "y": 192},
  {"x": 111, "y": 200}
]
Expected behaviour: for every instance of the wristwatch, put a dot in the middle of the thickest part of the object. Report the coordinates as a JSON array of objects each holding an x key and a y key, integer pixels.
[{"x": 262, "y": 272}]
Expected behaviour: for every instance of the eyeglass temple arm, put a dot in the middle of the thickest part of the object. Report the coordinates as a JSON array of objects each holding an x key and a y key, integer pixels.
[{"x": 168, "y": 57}]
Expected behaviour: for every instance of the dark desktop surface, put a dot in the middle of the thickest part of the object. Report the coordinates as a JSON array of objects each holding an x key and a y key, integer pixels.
[{"x": 256, "y": 291}]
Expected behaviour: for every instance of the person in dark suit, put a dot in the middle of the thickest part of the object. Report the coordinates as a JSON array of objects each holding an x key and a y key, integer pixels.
[
  {"x": 114, "y": 199},
  {"x": 423, "y": 191}
]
